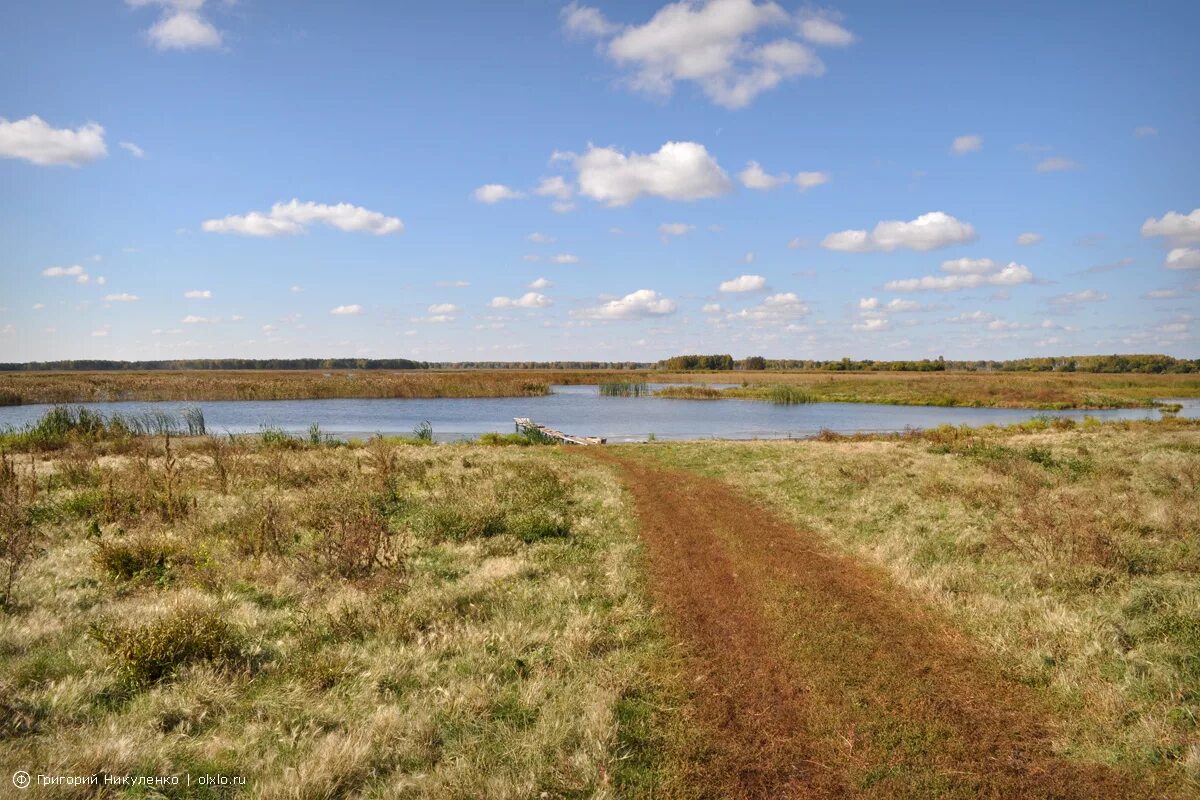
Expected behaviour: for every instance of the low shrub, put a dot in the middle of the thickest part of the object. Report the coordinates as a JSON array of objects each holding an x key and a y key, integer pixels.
[
  {"x": 143, "y": 655},
  {"x": 153, "y": 558}
]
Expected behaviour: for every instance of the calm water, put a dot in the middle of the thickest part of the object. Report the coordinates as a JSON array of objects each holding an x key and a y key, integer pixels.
[{"x": 582, "y": 411}]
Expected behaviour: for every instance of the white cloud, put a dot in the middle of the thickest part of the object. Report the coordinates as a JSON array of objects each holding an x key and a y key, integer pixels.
[
  {"x": 296, "y": 289},
  {"x": 871, "y": 325},
  {"x": 584, "y": 21},
  {"x": 967, "y": 144},
  {"x": 527, "y": 300},
  {"x": 927, "y": 232},
  {"x": 38, "y": 306},
  {"x": 1055, "y": 164},
  {"x": 748, "y": 258},
  {"x": 711, "y": 44},
  {"x": 565, "y": 258},
  {"x": 198, "y": 294},
  {"x": 1179, "y": 229},
  {"x": 711, "y": 308},
  {"x": 181, "y": 26},
  {"x": 443, "y": 308},
  {"x": 1011, "y": 275},
  {"x": 454, "y": 284},
  {"x": 899, "y": 305},
  {"x": 668, "y": 229},
  {"x": 350, "y": 310},
  {"x": 821, "y": 29},
  {"x": 295, "y": 217},
  {"x": 1183, "y": 258},
  {"x": 1029, "y": 239},
  {"x": 35, "y": 141},
  {"x": 101, "y": 332},
  {"x": 1142, "y": 131},
  {"x": 635, "y": 305},
  {"x": 555, "y": 186},
  {"x": 868, "y": 303},
  {"x": 753, "y": 177},
  {"x": 807, "y": 180},
  {"x": 540, "y": 238},
  {"x": 780, "y": 307},
  {"x": 74, "y": 271},
  {"x": 123, "y": 297},
  {"x": 496, "y": 192},
  {"x": 678, "y": 171},
  {"x": 133, "y": 149},
  {"x": 1162, "y": 294},
  {"x": 796, "y": 243},
  {"x": 969, "y": 266},
  {"x": 1075, "y": 298},
  {"x": 192, "y": 319},
  {"x": 972, "y": 316},
  {"x": 540, "y": 283},
  {"x": 744, "y": 283}
]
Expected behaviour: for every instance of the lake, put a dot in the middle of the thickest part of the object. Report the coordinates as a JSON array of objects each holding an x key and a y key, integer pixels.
[{"x": 582, "y": 411}]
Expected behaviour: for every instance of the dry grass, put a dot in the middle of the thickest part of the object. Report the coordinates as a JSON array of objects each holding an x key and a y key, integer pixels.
[
  {"x": 1007, "y": 389},
  {"x": 1072, "y": 555},
  {"x": 377, "y": 620},
  {"x": 84, "y": 387}
]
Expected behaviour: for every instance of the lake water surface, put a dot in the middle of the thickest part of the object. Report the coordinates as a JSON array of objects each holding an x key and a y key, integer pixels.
[{"x": 582, "y": 411}]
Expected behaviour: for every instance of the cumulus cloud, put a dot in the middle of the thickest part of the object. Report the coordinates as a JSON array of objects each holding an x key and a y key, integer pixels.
[
  {"x": 1012, "y": 275},
  {"x": 555, "y": 186},
  {"x": 123, "y": 297},
  {"x": 711, "y": 308},
  {"x": 868, "y": 303},
  {"x": 295, "y": 217},
  {"x": 668, "y": 229},
  {"x": 777, "y": 308},
  {"x": 712, "y": 44},
  {"x": 35, "y": 141},
  {"x": 1055, "y": 164},
  {"x": 636, "y": 305},
  {"x": 539, "y": 238},
  {"x": 1075, "y": 298},
  {"x": 1029, "y": 239},
  {"x": 753, "y": 177},
  {"x": 969, "y": 266},
  {"x": 527, "y": 300},
  {"x": 565, "y": 258},
  {"x": 443, "y": 308},
  {"x": 496, "y": 192},
  {"x": 1179, "y": 229},
  {"x": 1183, "y": 258},
  {"x": 807, "y": 180},
  {"x": 198, "y": 294},
  {"x": 927, "y": 232},
  {"x": 966, "y": 144},
  {"x": 823, "y": 29},
  {"x": 872, "y": 325},
  {"x": 181, "y": 26},
  {"x": 346, "y": 311},
  {"x": 744, "y": 283},
  {"x": 540, "y": 283},
  {"x": 1162, "y": 294},
  {"x": 74, "y": 271},
  {"x": 192, "y": 319},
  {"x": 678, "y": 171}
]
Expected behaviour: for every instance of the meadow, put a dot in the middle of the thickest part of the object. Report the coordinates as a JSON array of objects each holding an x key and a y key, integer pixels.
[
  {"x": 395, "y": 618},
  {"x": 1041, "y": 390}
]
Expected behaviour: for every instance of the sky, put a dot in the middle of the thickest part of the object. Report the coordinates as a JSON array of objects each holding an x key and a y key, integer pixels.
[{"x": 598, "y": 181}]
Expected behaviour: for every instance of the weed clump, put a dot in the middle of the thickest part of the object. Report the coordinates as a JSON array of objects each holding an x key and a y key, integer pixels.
[
  {"x": 152, "y": 558},
  {"x": 143, "y": 655}
]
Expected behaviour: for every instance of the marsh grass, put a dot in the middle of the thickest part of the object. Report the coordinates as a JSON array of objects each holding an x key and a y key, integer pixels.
[
  {"x": 1069, "y": 552},
  {"x": 624, "y": 389},
  {"x": 371, "y": 619}
]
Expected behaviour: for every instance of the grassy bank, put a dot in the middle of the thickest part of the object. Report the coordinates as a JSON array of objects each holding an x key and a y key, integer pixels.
[
  {"x": 18, "y": 388},
  {"x": 1006, "y": 390},
  {"x": 327, "y": 621},
  {"x": 1070, "y": 553}
]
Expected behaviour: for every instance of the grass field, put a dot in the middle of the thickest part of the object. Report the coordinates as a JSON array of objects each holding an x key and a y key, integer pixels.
[
  {"x": 399, "y": 619},
  {"x": 1008, "y": 389}
]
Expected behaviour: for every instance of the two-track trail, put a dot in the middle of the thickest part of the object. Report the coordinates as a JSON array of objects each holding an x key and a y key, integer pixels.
[{"x": 812, "y": 675}]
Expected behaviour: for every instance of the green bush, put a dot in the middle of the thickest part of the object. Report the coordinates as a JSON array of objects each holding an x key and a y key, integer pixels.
[
  {"x": 144, "y": 557},
  {"x": 143, "y": 655}
]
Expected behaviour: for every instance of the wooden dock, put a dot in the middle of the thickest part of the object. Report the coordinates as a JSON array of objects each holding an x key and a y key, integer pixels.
[{"x": 526, "y": 424}]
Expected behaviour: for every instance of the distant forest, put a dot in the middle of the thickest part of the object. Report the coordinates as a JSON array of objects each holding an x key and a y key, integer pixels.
[{"x": 684, "y": 363}]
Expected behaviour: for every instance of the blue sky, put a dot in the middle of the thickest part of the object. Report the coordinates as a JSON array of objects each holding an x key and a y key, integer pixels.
[{"x": 535, "y": 180}]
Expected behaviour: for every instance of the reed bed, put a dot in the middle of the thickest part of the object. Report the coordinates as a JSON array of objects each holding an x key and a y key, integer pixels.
[
  {"x": 624, "y": 389},
  {"x": 87, "y": 387}
]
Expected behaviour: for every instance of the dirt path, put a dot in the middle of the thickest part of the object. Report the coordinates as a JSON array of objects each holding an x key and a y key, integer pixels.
[{"x": 815, "y": 677}]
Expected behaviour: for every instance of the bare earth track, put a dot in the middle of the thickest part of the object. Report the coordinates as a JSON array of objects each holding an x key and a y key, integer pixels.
[{"x": 815, "y": 677}]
